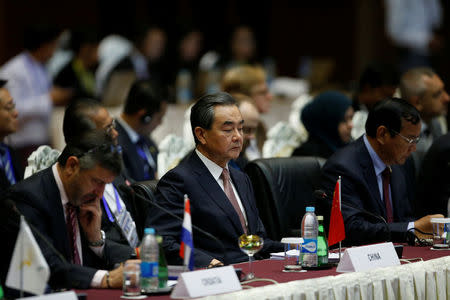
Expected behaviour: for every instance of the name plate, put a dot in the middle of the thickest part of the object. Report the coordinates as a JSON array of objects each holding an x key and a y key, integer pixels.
[
  {"x": 366, "y": 258},
  {"x": 206, "y": 282},
  {"x": 70, "y": 295}
]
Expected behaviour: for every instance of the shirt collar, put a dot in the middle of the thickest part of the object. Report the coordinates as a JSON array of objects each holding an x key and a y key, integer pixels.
[
  {"x": 59, "y": 184},
  {"x": 212, "y": 167},
  {"x": 133, "y": 135},
  {"x": 378, "y": 164}
]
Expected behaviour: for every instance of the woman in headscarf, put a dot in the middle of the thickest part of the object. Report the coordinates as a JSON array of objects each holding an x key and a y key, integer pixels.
[{"x": 328, "y": 119}]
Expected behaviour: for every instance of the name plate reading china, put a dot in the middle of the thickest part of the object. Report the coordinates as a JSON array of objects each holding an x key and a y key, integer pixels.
[
  {"x": 366, "y": 258},
  {"x": 206, "y": 282}
]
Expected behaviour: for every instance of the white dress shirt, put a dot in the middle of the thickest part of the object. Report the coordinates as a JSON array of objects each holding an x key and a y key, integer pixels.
[
  {"x": 29, "y": 85},
  {"x": 216, "y": 171},
  {"x": 98, "y": 276}
]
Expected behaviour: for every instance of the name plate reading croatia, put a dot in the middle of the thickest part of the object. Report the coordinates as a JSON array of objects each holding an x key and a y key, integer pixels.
[
  {"x": 70, "y": 295},
  {"x": 366, "y": 258},
  {"x": 206, "y": 282}
]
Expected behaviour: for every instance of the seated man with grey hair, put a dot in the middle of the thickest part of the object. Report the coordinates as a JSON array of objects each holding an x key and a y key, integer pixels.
[
  {"x": 63, "y": 203},
  {"x": 221, "y": 198}
]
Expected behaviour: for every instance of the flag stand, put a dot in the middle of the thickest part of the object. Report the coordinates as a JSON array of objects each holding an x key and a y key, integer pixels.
[{"x": 22, "y": 219}]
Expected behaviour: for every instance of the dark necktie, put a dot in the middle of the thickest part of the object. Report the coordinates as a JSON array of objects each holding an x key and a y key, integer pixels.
[
  {"x": 386, "y": 175},
  {"x": 232, "y": 197},
  {"x": 5, "y": 164},
  {"x": 72, "y": 230},
  {"x": 140, "y": 146}
]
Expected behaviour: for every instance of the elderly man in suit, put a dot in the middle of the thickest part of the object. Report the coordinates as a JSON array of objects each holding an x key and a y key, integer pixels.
[
  {"x": 63, "y": 203},
  {"x": 10, "y": 169},
  {"x": 372, "y": 179},
  {"x": 222, "y": 199}
]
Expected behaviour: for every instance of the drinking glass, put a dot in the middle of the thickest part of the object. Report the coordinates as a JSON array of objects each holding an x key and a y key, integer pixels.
[
  {"x": 250, "y": 244},
  {"x": 131, "y": 279}
]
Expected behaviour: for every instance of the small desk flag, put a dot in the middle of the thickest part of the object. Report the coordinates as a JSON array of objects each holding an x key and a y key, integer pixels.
[
  {"x": 337, "y": 229},
  {"x": 187, "y": 241}
]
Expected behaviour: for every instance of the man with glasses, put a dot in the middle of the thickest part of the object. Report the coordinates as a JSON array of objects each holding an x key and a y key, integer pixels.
[
  {"x": 10, "y": 168},
  {"x": 63, "y": 203},
  {"x": 372, "y": 179}
]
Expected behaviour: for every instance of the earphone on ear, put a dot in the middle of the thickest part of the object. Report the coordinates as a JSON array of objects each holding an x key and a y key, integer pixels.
[{"x": 146, "y": 119}]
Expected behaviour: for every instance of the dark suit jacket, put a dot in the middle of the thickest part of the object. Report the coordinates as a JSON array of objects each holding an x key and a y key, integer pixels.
[
  {"x": 131, "y": 158},
  {"x": 360, "y": 189},
  {"x": 210, "y": 210},
  {"x": 433, "y": 184},
  {"x": 67, "y": 78},
  {"x": 313, "y": 147},
  {"x": 18, "y": 172},
  {"x": 38, "y": 199}
]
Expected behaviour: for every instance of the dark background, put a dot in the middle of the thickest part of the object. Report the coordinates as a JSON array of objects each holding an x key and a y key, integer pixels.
[{"x": 351, "y": 33}]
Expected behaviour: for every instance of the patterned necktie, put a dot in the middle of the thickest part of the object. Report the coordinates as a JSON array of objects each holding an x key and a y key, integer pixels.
[
  {"x": 386, "y": 175},
  {"x": 140, "y": 146},
  {"x": 5, "y": 164},
  {"x": 72, "y": 228},
  {"x": 232, "y": 197}
]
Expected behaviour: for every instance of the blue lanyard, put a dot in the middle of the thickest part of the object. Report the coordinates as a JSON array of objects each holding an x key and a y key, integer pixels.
[
  {"x": 8, "y": 157},
  {"x": 105, "y": 204}
]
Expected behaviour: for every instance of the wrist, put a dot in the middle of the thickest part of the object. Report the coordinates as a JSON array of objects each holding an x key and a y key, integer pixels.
[{"x": 100, "y": 242}]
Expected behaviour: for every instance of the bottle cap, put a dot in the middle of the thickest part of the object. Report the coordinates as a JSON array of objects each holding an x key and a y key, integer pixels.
[
  {"x": 310, "y": 209},
  {"x": 319, "y": 218},
  {"x": 149, "y": 231}
]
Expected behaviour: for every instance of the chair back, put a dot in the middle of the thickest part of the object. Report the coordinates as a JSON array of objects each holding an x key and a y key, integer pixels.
[
  {"x": 147, "y": 190},
  {"x": 283, "y": 188}
]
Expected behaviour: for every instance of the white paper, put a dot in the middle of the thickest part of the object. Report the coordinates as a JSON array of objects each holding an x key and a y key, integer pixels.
[
  {"x": 370, "y": 257},
  {"x": 70, "y": 295},
  {"x": 206, "y": 282}
]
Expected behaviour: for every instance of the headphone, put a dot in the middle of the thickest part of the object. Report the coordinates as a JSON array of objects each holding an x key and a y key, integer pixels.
[{"x": 146, "y": 119}]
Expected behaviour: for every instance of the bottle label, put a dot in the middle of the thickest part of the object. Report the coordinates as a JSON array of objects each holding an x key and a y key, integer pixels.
[
  {"x": 309, "y": 246},
  {"x": 149, "y": 269}
]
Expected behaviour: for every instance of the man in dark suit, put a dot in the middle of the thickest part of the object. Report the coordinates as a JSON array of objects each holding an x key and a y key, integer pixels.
[
  {"x": 433, "y": 184},
  {"x": 10, "y": 168},
  {"x": 143, "y": 112},
  {"x": 222, "y": 199},
  {"x": 63, "y": 203},
  {"x": 372, "y": 179},
  {"x": 87, "y": 114}
]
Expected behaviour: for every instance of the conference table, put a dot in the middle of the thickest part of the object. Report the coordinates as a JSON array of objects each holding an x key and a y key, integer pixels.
[{"x": 273, "y": 269}]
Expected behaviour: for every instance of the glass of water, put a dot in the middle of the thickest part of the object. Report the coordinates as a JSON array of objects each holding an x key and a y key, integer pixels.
[{"x": 131, "y": 279}]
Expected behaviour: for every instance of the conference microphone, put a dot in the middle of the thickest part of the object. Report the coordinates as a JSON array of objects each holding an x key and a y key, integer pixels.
[
  {"x": 320, "y": 194},
  {"x": 128, "y": 190}
]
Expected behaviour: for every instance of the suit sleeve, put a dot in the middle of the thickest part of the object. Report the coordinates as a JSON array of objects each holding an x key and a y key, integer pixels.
[
  {"x": 170, "y": 195},
  {"x": 359, "y": 228}
]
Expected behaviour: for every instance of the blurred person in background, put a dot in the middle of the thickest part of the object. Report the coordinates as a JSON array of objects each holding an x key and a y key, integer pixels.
[
  {"x": 425, "y": 90},
  {"x": 79, "y": 74},
  {"x": 251, "y": 81},
  {"x": 144, "y": 110},
  {"x": 32, "y": 90},
  {"x": 10, "y": 169},
  {"x": 328, "y": 119}
]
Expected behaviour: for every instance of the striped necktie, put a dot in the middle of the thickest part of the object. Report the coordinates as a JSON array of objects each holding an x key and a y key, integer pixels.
[
  {"x": 72, "y": 228},
  {"x": 140, "y": 146}
]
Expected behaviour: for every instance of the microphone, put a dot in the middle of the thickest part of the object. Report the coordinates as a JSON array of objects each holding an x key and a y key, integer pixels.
[
  {"x": 322, "y": 195},
  {"x": 128, "y": 190}
]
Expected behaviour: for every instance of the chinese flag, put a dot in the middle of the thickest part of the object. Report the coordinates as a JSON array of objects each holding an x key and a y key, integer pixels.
[{"x": 337, "y": 229}]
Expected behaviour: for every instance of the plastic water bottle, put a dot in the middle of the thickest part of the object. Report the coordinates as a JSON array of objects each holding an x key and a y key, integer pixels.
[
  {"x": 309, "y": 233},
  {"x": 149, "y": 258},
  {"x": 322, "y": 244}
]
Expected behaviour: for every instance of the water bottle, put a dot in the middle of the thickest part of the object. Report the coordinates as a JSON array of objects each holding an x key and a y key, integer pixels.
[
  {"x": 322, "y": 244},
  {"x": 163, "y": 273},
  {"x": 149, "y": 257},
  {"x": 309, "y": 233}
]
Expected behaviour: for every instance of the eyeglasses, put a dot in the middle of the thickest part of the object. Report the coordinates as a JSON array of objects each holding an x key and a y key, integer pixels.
[
  {"x": 10, "y": 107},
  {"x": 109, "y": 128},
  {"x": 410, "y": 141}
]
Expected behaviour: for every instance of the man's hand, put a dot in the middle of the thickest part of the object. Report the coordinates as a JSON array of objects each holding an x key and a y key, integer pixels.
[
  {"x": 90, "y": 217},
  {"x": 215, "y": 263},
  {"x": 424, "y": 224},
  {"x": 116, "y": 276}
]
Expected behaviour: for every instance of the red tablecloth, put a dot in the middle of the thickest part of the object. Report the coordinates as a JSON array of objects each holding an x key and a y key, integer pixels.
[{"x": 273, "y": 269}]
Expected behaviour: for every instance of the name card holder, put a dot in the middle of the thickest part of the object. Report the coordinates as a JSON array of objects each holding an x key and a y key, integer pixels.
[
  {"x": 70, "y": 295},
  {"x": 366, "y": 258},
  {"x": 206, "y": 282}
]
